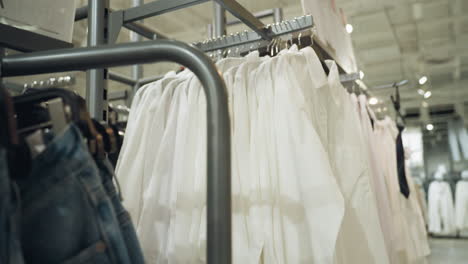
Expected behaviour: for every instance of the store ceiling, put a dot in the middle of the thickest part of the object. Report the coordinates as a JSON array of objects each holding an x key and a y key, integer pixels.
[
  {"x": 408, "y": 39},
  {"x": 393, "y": 40}
]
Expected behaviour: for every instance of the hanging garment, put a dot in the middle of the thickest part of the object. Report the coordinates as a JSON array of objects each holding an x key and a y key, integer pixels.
[
  {"x": 419, "y": 244},
  {"x": 129, "y": 235},
  {"x": 386, "y": 132},
  {"x": 311, "y": 202},
  {"x": 132, "y": 166},
  {"x": 64, "y": 202},
  {"x": 422, "y": 201},
  {"x": 346, "y": 150},
  {"x": 441, "y": 210},
  {"x": 10, "y": 245},
  {"x": 400, "y": 151},
  {"x": 377, "y": 177},
  {"x": 303, "y": 186},
  {"x": 155, "y": 218},
  {"x": 461, "y": 204}
]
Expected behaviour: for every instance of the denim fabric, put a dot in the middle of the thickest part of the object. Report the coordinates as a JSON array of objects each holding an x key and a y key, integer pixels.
[
  {"x": 67, "y": 216},
  {"x": 10, "y": 249},
  {"x": 126, "y": 226}
]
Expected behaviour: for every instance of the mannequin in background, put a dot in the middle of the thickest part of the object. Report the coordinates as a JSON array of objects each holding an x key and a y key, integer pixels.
[
  {"x": 440, "y": 202},
  {"x": 461, "y": 202},
  {"x": 440, "y": 172}
]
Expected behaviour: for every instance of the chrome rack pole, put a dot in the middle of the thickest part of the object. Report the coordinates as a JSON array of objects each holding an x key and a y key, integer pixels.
[
  {"x": 219, "y": 20},
  {"x": 137, "y": 70},
  {"x": 277, "y": 15},
  {"x": 219, "y": 24},
  {"x": 218, "y": 130},
  {"x": 96, "y": 85}
]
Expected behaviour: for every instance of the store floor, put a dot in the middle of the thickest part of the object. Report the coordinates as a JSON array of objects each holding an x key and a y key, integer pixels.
[{"x": 448, "y": 251}]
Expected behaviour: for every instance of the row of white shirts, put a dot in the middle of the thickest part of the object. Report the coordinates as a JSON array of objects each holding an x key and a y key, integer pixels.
[
  {"x": 312, "y": 181},
  {"x": 445, "y": 217}
]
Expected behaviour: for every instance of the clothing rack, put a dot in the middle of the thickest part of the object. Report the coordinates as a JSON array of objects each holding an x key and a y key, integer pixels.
[
  {"x": 246, "y": 37},
  {"x": 104, "y": 26},
  {"x": 218, "y": 121},
  {"x": 53, "y": 82}
]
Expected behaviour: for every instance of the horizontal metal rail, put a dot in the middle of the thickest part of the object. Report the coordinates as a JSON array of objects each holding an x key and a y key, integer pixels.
[
  {"x": 242, "y": 38},
  {"x": 160, "y": 7},
  {"x": 122, "y": 78},
  {"x": 143, "y": 30},
  {"x": 156, "y": 8},
  {"x": 218, "y": 122}
]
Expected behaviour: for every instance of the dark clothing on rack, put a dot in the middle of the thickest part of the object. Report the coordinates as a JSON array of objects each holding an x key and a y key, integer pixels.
[
  {"x": 128, "y": 231},
  {"x": 404, "y": 188},
  {"x": 10, "y": 248},
  {"x": 67, "y": 216}
]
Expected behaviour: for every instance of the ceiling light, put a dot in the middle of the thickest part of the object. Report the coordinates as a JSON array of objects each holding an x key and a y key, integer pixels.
[
  {"x": 422, "y": 80},
  {"x": 373, "y": 101},
  {"x": 349, "y": 28},
  {"x": 361, "y": 75},
  {"x": 430, "y": 127},
  {"x": 421, "y": 91},
  {"x": 427, "y": 94}
]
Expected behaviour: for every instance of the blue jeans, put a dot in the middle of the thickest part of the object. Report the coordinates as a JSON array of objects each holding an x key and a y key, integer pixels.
[
  {"x": 126, "y": 226},
  {"x": 67, "y": 216},
  {"x": 10, "y": 249}
]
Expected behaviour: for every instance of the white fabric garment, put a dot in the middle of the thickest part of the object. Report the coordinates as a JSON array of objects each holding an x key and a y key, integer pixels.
[
  {"x": 310, "y": 204},
  {"x": 131, "y": 163},
  {"x": 377, "y": 177},
  {"x": 309, "y": 174},
  {"x": 441, "y": 209},
  {"x": 419, "y": 244},
  {"x": 155, "y": 219},
  {"x": 386, "y": 132},
  {"x": 360, "y": 239},
  {"x": 461, "y": 205},
  {"x": 422, "y": 201}
]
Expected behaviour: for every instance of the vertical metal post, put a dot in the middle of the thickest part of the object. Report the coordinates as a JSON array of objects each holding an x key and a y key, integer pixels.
[
  {"x": 96, "y": 85},
  {"x": 277, "y": 15},
  {"x": 219, "y": 24},
  {"x": 219, "y": 20},
  {"x": 137, "y": 70}
]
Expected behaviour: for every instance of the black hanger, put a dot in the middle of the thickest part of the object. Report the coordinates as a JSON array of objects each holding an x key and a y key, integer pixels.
[
  {"x": 32, "y": 115},
  {"x": 109, "y": 138},
  {"x": 397, "y": 104}
]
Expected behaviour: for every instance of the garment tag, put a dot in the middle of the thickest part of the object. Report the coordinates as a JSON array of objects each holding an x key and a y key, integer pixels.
[{"x": 36, "y": 143}]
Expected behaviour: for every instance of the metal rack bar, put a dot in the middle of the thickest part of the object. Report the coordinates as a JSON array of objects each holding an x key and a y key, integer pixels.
[
  {"x": 276, "y": 13},
  {"x": 283, "y": 28},
  {"x": 246, "y": 17},
  {"x": 163, "y": 6},
  {"x": 144, "y": 31},
  {"x": 137, "y": 70},
  {"x": 122, "y": 78},
  {"x": 156, "y": 8},
  {"x": 219, "y": 20},
  {"x": 147, "y": 80},
  {"x": 96, "y": 86},
  {"x": 27, "y": 41},
  {"x": 218, "y": 122},
  {"x": 119, "y": 95}
]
